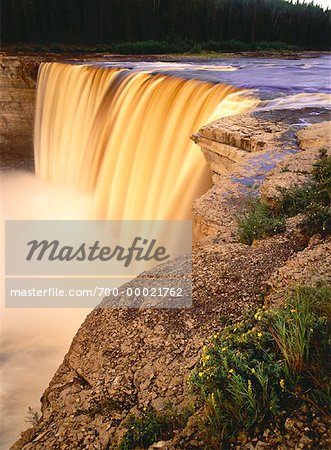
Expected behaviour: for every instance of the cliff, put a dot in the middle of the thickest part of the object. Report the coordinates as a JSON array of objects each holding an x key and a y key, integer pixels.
[
  {"x": 18, "y": 77},
  {"x": 123, "y": 361},
  {"x": 18, "y": 80}
]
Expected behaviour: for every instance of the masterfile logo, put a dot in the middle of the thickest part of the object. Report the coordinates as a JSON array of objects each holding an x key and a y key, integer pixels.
[
  {"x": 140, "y": 250},
  {"x": 78, "y": 263}
]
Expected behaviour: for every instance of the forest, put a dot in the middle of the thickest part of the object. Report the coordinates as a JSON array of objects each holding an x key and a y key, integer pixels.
[{"x": 173, "y": 24}]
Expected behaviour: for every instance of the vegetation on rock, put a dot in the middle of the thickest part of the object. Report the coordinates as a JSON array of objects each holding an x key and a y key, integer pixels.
[
  {"x": 258, "y": 222},
  {"x": 152, "y": 426},
  {"x": 269, "y": 361},
  {"x": 252, "y": 371},
  {"x": 313, "y": 199}
]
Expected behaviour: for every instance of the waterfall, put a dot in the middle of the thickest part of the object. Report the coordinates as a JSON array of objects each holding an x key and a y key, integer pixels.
[{"x": 124, "y": 136}]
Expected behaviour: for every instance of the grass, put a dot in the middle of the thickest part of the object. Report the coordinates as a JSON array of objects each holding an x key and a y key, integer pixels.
[
  {"x": 258, "y": 222},
  {"x": 143, "y": 431},
  {"x": 294, "y": 336},
  {"x": 152, "y": 426},
  {"x": 313, "y": 199},
  {"x": 267, "y": 362}
]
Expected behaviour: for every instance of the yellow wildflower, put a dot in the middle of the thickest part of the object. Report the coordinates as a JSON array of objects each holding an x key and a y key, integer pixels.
[
  {"x": 259, "y": 334},
  {"x": 200, "y": 374},
  {"x": 231, "y": 371},
  {"x": 223, "y": 349},
  {"x": 212, "y": 398},
  {"x": 253, "y": 370},
  {"x": 282, "y": 383}
]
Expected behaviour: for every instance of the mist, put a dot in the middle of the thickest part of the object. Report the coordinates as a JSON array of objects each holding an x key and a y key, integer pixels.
[{"x": 33, "y": 341}]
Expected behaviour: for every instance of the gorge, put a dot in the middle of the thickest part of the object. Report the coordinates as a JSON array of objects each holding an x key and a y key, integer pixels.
[{"x": 122, "y": 137}]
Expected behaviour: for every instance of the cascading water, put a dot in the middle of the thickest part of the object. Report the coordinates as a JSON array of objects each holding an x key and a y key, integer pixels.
[{"x": 124, "y": 137}]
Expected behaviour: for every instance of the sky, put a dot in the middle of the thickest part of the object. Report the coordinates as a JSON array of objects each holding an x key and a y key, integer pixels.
[{"x": 323, "y": 3}]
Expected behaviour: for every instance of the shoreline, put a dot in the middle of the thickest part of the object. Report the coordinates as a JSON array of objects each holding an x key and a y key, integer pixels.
[{"x": 167, "y": 57}]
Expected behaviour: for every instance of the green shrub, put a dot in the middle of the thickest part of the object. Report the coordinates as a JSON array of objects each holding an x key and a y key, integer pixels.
[
  {"x": 313, "y": 199},
  {"x": 264, "y": 363},
  {"x": 322, "y": 170},
  {"x": 265, "y": 45},
  {"x": 296, "y": 200},
  {"x": 233, "y": 46},
  {"x": 152, "y": 426},
  {"x": 158, "y": 47},
  {"x": 142, "y": 431},
  {"x": 258, "y": 222},
  {"x": 296, "y": 326},
  {"x": 317, "y": 220},
  {"x": 196, "y": 49},
  {"x": 239, "y": 375},
  {"x": 153, "y": 47},
  {"x": 211, "y": 46}
]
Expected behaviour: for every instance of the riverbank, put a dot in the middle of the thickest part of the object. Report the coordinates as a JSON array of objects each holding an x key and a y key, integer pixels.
[{"x": 195, "y": 54}]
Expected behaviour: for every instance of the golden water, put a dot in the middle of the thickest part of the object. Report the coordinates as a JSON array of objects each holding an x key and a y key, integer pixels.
[{"x": 124, "y": 137}]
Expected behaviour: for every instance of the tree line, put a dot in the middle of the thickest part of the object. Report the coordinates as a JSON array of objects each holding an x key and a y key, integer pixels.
[{"x": 95, "y": 22}]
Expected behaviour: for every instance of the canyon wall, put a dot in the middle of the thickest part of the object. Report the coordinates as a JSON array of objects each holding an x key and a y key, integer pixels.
[
  {"x": 18, "y": 77},
  {"x": 18, "y": 80}
]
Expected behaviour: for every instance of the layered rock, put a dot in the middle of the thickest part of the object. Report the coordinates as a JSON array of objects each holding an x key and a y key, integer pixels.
[
  {"x": 252, "y": 154},
  {"x": 296, "y": 169},
  {"x": 18, "y": 78}
]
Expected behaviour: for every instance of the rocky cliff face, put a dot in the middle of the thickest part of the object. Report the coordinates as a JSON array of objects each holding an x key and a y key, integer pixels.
[
  {"x": 18, "y": 79},
  {"x": 251, "y": 154},
  {"x": 122, "y": 360},
  {"x": 18, "y": 76}
]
